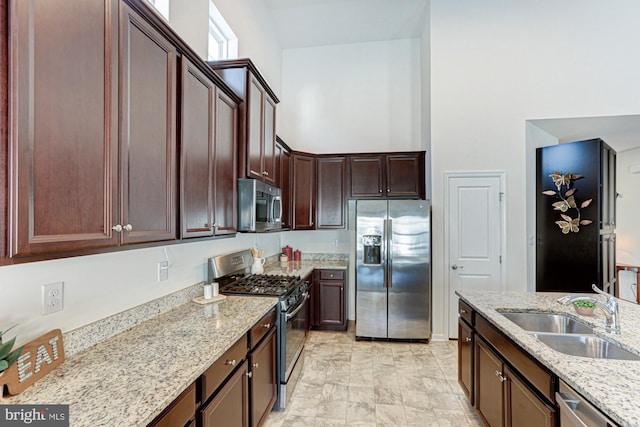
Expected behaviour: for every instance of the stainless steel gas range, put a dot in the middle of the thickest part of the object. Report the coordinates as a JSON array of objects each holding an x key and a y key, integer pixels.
[{"x": 231, "y": 271}]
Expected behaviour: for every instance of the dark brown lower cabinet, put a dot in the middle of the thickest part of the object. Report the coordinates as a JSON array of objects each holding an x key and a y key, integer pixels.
[
  {"x": 509, "y": 390},
  {"x": 330, "y": 301},
  {"x": 523, "y": 407},
  {"x": 465, "y": 358},
  {"x": 180, "y": 412},
  {"x": 489, "y": 397},
  {"x": 230, "y": 405},
  {"x": 262, "y": 382}
]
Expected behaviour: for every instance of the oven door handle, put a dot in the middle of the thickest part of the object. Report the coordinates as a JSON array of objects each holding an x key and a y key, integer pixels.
[{"x": 288, "y": 316}]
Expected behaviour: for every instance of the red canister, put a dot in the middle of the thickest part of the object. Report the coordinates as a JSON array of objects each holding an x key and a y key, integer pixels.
[
  {"x": 288, "y": 251},
  {"x": 297, "y": 255}
]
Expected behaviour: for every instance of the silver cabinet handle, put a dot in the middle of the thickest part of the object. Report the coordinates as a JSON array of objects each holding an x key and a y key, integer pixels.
[
  {"x": 117, "y": 228},
  {"x": 230, "y": 362},
  {"x": 255, "y": 365},
  {"x": 250, "y": 374},
  {"x": 266, "y": 325},
  {"x": 463, "y": 311},
  {"x": 455, "y": 267},
  {"x": 128, "y": 227},
  {"x": 467, "y": 339},
  {"x": 500, "y": 377}
]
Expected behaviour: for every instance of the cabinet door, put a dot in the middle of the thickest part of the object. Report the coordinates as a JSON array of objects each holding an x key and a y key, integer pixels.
[
  {"x": 64, "y": 105},
  {"x": 523, "y": 407},
  {"x": 367, "y": 173},
  {"x": 405, "y": 176},
  {"x": 465, "y": 359},
  {"x": 230, "y": 406},
  {"x": 196, "y": 152},
  {"x": 254, "y": 133},
  {"x": 269, "y": 141},
  {"x": 330, "y": 304},
  {"x": 303, "y": 202},
  {"x": 225, "y": 170},
  {"x": 283, "y": 182},
  {"x": 489, "y": 397},
  {"x": 263, "y": 378},
  {"x": 148, "y": 131},
  {"x": 331, "y": 200}
]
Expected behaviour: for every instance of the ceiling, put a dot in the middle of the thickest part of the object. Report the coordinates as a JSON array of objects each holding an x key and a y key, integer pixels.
[
  {"x": 308, "y": 23},
  {"x": 620, "y": 132}
]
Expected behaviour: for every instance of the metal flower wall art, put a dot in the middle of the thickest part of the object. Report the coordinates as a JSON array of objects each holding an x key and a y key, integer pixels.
[{"x": 567, "y": 204}]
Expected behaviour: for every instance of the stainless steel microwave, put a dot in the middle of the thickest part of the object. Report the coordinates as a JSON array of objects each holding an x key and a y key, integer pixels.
[{"x": 259, "y": 206}]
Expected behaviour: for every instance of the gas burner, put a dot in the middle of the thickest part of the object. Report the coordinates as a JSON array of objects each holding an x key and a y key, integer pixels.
[{"x": 260, "y": 284}]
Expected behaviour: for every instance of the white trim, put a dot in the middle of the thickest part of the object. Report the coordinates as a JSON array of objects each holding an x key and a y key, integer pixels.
[{"x": 501, "y": 175}]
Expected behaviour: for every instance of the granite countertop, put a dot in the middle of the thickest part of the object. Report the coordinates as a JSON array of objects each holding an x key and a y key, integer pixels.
[
  {"x": 303, "y": 268},
  {"x": 129, "y": 379},
  {"x": 611, "y": 385}
]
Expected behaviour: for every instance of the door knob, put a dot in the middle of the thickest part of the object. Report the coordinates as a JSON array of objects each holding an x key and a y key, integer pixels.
[{"x": 455, "y": 267}]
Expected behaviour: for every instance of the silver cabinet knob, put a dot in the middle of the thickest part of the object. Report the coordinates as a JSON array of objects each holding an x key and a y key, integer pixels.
[
  {"x": 266, "y": 325},
  {"x": 117, "y": 228},
  {"x": 230, "y": 362},
  {"x": 255, "y": 365},
  {"x": 128, "y": 227},
  {"x": 455, "y": 267},
  {"x": 249, "y": 374},
  {"x": 500, "y": 376},
  {"x": 467, "y": 339}
]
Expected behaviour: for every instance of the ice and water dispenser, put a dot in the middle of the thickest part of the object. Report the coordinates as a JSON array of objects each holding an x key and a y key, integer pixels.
[{"x": 372, "y": 249}]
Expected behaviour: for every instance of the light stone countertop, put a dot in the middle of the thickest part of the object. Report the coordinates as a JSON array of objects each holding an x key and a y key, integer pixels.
[
  {"x": 304, "y": 267},
  {"x": 611, "y": 385},
  {"x": 130, "y": 378}
]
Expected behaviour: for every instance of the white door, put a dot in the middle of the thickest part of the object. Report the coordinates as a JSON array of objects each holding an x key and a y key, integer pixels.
[{"x": 474, "y": 235}]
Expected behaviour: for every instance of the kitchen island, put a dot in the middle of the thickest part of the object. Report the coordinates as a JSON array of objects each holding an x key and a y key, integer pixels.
[
  {"x": 610, "y": 385},
  {"x": 132, "y": 377}
]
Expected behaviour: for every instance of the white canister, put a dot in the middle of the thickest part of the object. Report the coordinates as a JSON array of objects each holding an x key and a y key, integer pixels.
[
  {"x": 216, "y": 289},
  {"x": 208, "y": 291}
]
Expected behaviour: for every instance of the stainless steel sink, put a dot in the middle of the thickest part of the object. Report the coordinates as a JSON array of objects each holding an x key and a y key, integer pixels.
[
  {"x": 586, "y": 346},
  {"x": 546, "y": 322}
]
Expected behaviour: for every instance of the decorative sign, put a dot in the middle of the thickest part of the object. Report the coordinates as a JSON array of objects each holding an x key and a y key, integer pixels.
[{"x": 38, "y": 358}]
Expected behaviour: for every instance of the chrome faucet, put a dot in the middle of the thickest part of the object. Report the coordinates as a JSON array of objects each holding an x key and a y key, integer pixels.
[{"x": 610, "y": 307}]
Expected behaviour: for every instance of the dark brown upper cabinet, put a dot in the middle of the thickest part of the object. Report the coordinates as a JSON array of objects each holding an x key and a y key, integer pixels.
[
  {"x": 392, "y": 175},
  {"x": 303, "y": 191},
  {"x": 332, "y": 182},
  {"x": 405, "y": 176},
  {"x": 208, "y": 139},
  {"x": 367, "y": 173},
  {"x": 148, "y": 161},
  {"x": 257, "y": 117},
  {"x": 283, "y": 179},
  {"x": 94, "y": 160},
  {"x": 64, "y": 112},
  {"x": 225, "y": 166}
]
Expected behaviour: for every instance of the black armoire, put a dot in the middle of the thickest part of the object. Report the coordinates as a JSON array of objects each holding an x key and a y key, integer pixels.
[{"x": 575, "y": 184}]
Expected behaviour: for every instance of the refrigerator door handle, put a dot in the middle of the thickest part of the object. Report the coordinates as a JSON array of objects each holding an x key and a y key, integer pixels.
[
  {"x": 385, "y": 246},
  {"x": 389, "y": 234}
]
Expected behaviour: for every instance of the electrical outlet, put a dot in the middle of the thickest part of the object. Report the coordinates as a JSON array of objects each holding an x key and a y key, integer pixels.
[
  {"x": 52, "y": 297},
  {"x": 163, "y": 271}
]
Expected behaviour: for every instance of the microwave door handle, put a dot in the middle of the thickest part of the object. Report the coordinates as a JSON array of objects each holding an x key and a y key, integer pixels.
[{"x": 277, "y": 201}]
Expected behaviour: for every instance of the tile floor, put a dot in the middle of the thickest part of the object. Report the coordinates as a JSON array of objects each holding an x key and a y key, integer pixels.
[{"x": 346, "y": 382}]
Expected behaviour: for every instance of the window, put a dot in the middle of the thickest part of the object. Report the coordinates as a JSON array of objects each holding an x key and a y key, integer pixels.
[
  {"x": 162, "y": 6},
  {"x": 223, "y": 43}
]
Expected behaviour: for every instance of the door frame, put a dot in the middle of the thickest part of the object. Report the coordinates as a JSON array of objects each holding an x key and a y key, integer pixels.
[{"x": 502, "y": 177}]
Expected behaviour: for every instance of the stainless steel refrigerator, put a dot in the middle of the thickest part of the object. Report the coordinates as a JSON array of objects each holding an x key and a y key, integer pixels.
[{"x": 393, "y": 269}]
